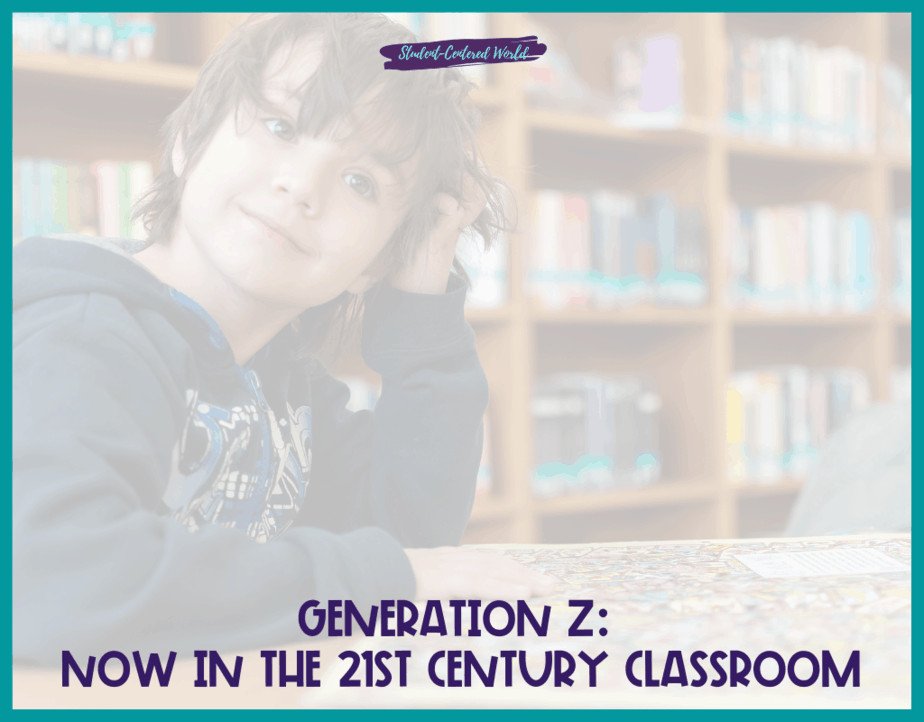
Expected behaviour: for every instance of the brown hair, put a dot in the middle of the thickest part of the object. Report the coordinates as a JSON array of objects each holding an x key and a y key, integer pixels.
[{"x": 426, "y": 115}]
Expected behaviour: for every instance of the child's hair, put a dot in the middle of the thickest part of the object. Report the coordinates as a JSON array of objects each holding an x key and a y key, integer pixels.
[{"x": 422, "y": 115}]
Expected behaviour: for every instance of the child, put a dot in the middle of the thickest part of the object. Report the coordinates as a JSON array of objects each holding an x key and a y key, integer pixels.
[{"x": 185, "y": 470}]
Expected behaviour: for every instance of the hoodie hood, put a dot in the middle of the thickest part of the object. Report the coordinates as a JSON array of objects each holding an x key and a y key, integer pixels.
[
  {"x": 62, "y": 265},
  {"x": 74, "y": 265},
  {"x": 56, "y": 267}
]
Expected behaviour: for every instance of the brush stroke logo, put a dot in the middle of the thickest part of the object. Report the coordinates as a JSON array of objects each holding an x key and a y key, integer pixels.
[{"x": 461, "y": 52}]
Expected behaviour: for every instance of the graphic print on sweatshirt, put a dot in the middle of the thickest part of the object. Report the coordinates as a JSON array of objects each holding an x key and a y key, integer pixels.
[{"x": 240, "y": 467}]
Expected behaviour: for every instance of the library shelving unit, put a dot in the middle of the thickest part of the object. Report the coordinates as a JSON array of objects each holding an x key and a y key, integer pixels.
[{"x": 690, "y": 352}]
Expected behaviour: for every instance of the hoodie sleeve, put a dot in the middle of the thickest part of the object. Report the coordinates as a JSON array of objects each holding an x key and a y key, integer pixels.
[
  {"x": 410, "y": 465},
  {"x": 95, "y": 566}
]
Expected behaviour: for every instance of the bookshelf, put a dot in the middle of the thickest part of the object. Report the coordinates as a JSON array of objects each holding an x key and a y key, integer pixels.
[{"x": 690, "y": 352}]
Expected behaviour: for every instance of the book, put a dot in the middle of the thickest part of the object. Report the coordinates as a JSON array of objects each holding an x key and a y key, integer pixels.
[
  {"x": 789, "y": 91},
  {"x": 120, "y": 37},
  {"x": 779, "y": 417},
  {"x": 608, "y": 249},
  {"x": 52, "y": 196},
  {"x": 593, "y": 433},
  {"x": 804, "y": 257},
  {"x": 901, "y": 246}
]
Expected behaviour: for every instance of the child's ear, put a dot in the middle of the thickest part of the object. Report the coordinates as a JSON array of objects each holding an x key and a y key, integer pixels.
[{"x": 178, "y": 157}]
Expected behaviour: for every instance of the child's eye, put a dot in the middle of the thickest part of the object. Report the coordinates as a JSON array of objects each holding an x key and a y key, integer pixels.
[
  {"x": 361, "y": 184},
  {"x": 282, "y": 129}
]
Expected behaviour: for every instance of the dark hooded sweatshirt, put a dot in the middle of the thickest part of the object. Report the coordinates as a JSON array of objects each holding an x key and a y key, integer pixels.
[{"x": 166, "y": 498}]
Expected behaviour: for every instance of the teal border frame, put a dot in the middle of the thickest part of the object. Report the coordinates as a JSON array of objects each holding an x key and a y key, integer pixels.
[{"x": 571, "y": 6}]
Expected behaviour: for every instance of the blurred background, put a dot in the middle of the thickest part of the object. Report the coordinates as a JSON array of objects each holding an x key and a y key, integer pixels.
[{"x": 701, "y": 325}]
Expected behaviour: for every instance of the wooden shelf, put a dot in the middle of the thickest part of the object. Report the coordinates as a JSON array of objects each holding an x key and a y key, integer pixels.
[
  {"x": 632, "y": 316},
  {"x": 762, "y": 150},
  {"x": 696, "y": 133},
  {"x": 487, "y": 316},
  {"x": 113, "y": 110},
  {"x": 801, "y": 320},
  {"x": 689, "y": 134},
  {"x": 780, "y": 487},
  {"x": 901, "y": 319},
  {"x": 700, "y": 316},
  {"x": 165, "y": 76},
  {"x": 490, "y": 508},
  {"x": 898, "y": 161},
  {"x": 665, "y": 493}
]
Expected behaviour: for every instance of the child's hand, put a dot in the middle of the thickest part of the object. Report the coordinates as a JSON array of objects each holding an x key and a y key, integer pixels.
[
  {"x": 457, "y": 573},
  {"x": 428, "y": 271}
]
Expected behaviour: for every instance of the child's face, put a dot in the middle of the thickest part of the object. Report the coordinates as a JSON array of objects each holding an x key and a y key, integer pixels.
[{"x": 288, "y": 221}]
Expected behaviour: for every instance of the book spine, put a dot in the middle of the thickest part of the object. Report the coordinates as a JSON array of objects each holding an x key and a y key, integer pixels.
[
  {"x": 46, "y": 196},
  {"x": 736, "y": 460},
  {"x": 28, "y": 197},
  {"x": 59, "y": 198},
  {"x": 107, "y": 183}
]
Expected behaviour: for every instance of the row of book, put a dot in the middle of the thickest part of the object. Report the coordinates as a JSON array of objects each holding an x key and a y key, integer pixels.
[
  {"x": 805, "y": 257},
  {"x": 901, "y": 243},
  {"x": 780, "y": 89},
  {"x": 609, "y": 249},
  {"x": 55, "y": 197},
  {"x": 895, "y": 118},
  {"x": 778, "y": 417},
  {"x": 117, "y": 36},
  {"x": 364, "y": 394},
  {"x": 594, "y": 432},
  {"x": 792, "y": 91}
]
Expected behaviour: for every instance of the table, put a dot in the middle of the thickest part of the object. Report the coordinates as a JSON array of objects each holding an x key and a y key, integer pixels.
[{"x": 659, "y": 596}]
